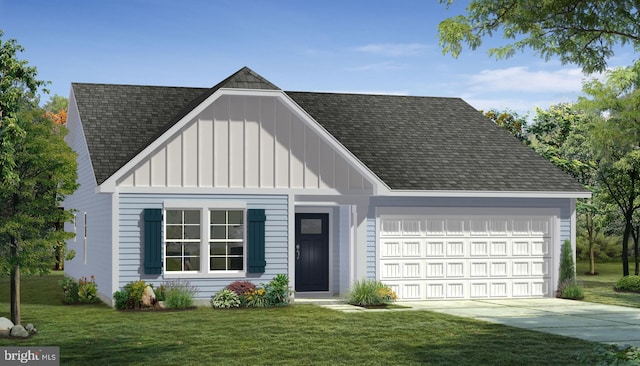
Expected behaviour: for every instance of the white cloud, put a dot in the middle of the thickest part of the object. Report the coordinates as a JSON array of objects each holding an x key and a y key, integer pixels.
[
  {"x": 521, "y": 79},
  {"x": 393, "y": 49}
]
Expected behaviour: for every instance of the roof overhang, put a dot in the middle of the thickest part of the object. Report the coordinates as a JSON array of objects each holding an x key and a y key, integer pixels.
[{"x": 486, "y": 194}]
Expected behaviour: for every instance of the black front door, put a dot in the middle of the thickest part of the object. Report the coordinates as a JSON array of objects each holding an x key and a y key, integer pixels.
[{"x": 312, "y": 252}]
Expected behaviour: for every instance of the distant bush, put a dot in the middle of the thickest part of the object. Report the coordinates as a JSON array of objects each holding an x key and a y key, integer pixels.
[{"x": 628, "y": 283}]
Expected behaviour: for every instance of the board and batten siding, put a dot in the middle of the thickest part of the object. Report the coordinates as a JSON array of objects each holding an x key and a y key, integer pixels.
[
  {"x": 131, "y": 266},
  {"x": 98, "y": 246},
  {"x": 563, "y": 205},
  {"x": 247, "y": 142}
]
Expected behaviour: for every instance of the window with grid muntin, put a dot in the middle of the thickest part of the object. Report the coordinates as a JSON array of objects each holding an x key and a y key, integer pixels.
[
  {"x": 182, "y": 234},
  {"x": 226, "y": 240}
]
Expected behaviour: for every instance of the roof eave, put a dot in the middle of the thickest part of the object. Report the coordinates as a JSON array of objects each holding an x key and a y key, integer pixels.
[{"x": 489, "y": 194}]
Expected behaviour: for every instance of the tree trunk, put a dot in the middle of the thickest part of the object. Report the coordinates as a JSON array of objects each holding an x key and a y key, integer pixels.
[
  {"x": 15, "y": 284},
  {"x": 592, "y": 254},
  {"x": 635, "y": 248},
  {"x": 625, "y": 245}
]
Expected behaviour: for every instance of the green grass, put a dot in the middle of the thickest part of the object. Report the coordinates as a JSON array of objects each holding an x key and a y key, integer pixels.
[
  {"x": 298, "y": 334},
  {"x": 599, "y": 288}
]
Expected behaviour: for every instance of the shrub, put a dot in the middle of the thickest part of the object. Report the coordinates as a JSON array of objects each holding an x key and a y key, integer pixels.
[
  {"x": 257, "y": 298},
  {"x": 121, "y": 299},
  {"x": 225, "y": 299},
  {"x": 629, "y": 283},
  {"x": 371, "y": 293},
  {"x": 88, "y": 290},
  {"x": 179, "y": 295},
  {"x": 241, "y": 288},
  {"x": 161, "y": 293},
  {"x": 277, "y": 291},
  {"x": 567, "y": 266},
  {"x": 573, "y": 291},
  {"x": 136, "y": 290},
  {"x": 69, "y": 290}
]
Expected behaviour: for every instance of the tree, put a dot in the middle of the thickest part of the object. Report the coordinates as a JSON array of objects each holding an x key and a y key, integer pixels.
[
  {"x": 560, "y": 135},
  {"x": 510, "y": 121},
  {"x": 614, "y": 107},
  {"x": 56, "y": 104},
  {"x": 581, "y": 32},
  {"x": 38, "y": 171},
  {"x": 56, "y": 109}
]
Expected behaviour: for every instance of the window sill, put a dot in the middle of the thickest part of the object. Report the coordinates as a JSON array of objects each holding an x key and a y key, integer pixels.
[{"x": 198, "y": 275}]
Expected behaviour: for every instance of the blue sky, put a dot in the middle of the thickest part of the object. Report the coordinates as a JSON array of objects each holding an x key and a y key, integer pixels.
[{"x": 337, "y": 46}]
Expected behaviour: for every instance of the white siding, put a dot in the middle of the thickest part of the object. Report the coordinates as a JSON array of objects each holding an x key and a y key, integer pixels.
[
  {"x": 98, "y": 209},
  {"x": 131, "y": 263},
  {"x": 247, "y": 142}
]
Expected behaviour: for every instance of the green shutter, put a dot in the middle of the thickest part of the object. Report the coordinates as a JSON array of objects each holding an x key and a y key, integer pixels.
[
  {"x": 256, "y": 261},
  {"x": 152, "y": 241}
]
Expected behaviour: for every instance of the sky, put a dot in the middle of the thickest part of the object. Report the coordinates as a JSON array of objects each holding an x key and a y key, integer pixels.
[{"x": 380, "y": 47}]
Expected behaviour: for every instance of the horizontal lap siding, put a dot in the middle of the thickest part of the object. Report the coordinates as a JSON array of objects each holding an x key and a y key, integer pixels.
[
  {"x": 131, "y": 266},
  {"x": 98, "y": 209},
  {"x": 376, "y": 202}
]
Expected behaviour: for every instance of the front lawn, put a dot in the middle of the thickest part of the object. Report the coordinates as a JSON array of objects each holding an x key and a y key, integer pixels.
[
  {"x": 599, "y": 288},
  {"x": 297, "y": 335}
]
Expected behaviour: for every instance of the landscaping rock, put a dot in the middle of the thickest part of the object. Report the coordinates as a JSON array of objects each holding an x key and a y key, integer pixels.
[
  {"x": 30, "y": 328},
  {"x": 148, "y": 297},
  {"x": 6, "y": 324},
  {"x": 19, "y": 331}
]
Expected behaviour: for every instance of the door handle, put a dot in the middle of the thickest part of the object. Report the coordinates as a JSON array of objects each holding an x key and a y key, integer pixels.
[{"x": 297, "y": 251}]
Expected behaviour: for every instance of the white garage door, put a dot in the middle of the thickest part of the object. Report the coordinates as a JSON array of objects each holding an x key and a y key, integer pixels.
[{"x": 466, "y": 257}]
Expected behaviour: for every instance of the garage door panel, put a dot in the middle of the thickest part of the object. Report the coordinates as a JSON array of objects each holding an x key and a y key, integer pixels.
[
  {"x": 455, "y": 248},
  {"x": 435, "y": 248},
  {"x": 479, "y": 248},
  {"x": 455, "y": 269},
  {"x": 466, "y": 257},
  {"x": 411, "y": 248},
  {"x": 479, "y": 269},
  {"x": 412, "y": 270},
  {"x": 498, "y": 248},
  {"x": 479, "y": 290}
]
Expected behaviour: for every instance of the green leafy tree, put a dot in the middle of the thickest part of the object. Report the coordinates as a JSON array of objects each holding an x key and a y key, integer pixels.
[
  {"x": 614, "y": 107},
  {"x": 560, "y": 134},
  {"x": 38, "y": 169},
  {"x": 510, "y": 121},
  {"x": 56, "y": 104},
  {"x": 579, "y": 32}
]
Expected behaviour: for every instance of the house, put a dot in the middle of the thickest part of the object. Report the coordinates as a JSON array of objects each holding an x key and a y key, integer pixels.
[{"x": 243, "y": 181}]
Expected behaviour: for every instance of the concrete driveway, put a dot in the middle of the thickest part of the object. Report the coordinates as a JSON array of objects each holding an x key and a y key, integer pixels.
[{"x": 577, "y": 319}]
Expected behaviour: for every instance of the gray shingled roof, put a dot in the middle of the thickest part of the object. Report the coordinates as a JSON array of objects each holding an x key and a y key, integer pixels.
[
  {"x": 119, "y": 121},
  {"x": 410, "y": 143},
  {"x": 425, "y": 143}
]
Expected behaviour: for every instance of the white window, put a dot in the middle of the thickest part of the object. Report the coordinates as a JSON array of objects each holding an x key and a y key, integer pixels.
[
  {"x": 204, "y": 240},
  {"x": 182, "y": 233},
  {"x": 226, "y": 240}
]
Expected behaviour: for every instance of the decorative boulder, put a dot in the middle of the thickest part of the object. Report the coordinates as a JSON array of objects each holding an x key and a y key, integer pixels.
[
  {"x": 148, "y": 297},
  {"x": 30, "y": 328},
  {"x": 5, "y": 327},
  {"x": 19, "y": 331}
]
